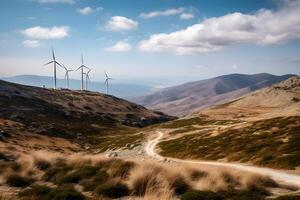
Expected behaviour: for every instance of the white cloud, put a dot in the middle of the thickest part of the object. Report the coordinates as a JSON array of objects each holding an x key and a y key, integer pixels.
[
  {"x": 88, "y": 10},
  {"x": 119, "y": 23},
  {"x": 31, "y": 43},
  {"x": 120, "y": 46},
  {"x": 85, "y": 10},
  {"x": 264, "y": 27},
  {"x": 39, "y": 32},
  {"x": 168, "y": 12},
  {"x": 186, "y": 16},
  {"x": 57, "y": 1}
]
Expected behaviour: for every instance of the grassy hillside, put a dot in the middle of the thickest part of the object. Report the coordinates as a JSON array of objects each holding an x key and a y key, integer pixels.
[
  {"x": 82, "y": 116},
  {"x": 272, "y": 142},
  {"x": 262, "y": 128}
]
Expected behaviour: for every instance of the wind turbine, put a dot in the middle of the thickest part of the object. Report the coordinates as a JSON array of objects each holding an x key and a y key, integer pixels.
[
  {"x": 87, "y": 78},
  {"x": 107, "y": 82},
  {"x": 67, "y": 75},
  {"x": 54, "y": 67},
  {"x": 81, "y": 67}
]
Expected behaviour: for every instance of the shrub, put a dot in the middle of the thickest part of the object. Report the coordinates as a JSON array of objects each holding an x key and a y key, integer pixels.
[
  {"x": 196, "y": 175},
  {"x": 289, "y": 197},
  {"x": 61, "y": 193},
  {"x": 180, "y": 186},
  {"x": 113, "y": 191},
  {"x": 42, "y": 164},
  {"x": 100, "y": 178},
  {"x": 122, "y": 169},
  {"x": 201, "y": 195},
  {"x": 3, "y": 157},
  {"x": 37, "y": 191},
  {"x": 54, "y": 173},
  {"x": 78, "y": 175},
  {"x": 16, "y": 180}
]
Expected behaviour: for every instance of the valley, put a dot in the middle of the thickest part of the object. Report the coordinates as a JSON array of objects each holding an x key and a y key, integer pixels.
[{"x": 102, "y": 147}]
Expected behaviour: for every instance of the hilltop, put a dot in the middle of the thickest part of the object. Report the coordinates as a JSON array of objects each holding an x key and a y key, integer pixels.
[
  {"x": 67, "y": 113},
  {"x": 194, "y": 96},
  {"x": 122, "y": 89}
]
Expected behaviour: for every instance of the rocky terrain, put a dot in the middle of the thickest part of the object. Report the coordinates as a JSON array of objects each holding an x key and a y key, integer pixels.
[{"x": 195, "y": 96}]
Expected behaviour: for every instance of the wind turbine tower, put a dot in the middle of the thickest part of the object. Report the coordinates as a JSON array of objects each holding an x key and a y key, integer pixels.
[
  {"x": 54, "y": 68},
  {"x": 107, "y": 82},
  {"x": 67, "y": 75},
  {"x": 87, "y": 78},
  {"x": 82, "y": 73}
]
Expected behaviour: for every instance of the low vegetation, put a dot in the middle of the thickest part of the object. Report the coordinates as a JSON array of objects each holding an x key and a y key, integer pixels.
[
  {"x": 39, "y": 192},
  {"x": 272, "y": 142},
  {"x": 200, "y": 121},
  {"x": 60, "y": 178}
]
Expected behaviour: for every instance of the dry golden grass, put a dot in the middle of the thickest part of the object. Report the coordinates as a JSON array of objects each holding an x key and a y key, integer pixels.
[{"x": 147, "y": 180}]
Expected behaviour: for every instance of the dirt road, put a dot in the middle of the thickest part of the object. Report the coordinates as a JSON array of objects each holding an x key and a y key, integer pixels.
[{"x": 280, "y": 176}]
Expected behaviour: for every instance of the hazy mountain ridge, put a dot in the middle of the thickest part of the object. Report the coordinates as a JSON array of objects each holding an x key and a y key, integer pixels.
[
  {"x": 261, "y": 128},
  {"x": 194, "y": 96},
  {"x": 123, "y": 90},
  {"x": 281, "y": 99}
]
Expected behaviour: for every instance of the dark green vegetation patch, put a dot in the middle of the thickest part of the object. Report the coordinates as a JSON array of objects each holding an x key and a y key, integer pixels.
[{"x": 272, "y": 142}]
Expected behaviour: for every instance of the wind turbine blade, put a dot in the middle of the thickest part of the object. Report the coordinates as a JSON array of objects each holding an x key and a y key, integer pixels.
[
  {"x": 105, "y": 82},
  {"x": 48, "y": 63},
  {"x": 78, "y": 68},
  {"x": 63, "y": 66},
  {"x": 81, "y": 59},
  {"x": 53, "y": 53},
  {"x": 105, "y": 74},
  {"x": 59, "y": 64}
]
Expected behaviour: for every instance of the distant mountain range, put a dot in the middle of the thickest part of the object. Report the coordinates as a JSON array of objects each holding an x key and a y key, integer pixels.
[
  {"x": 123, "y": 90},
  {"x": 193, "y": 96},
  {"x": 278, "y": 100}
]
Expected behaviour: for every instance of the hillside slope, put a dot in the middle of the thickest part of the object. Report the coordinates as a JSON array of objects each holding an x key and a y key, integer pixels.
[
  {"x": 194, "y": 96},
  {"x": 261, "y": 128},
  {"x": 66, "y": 113},
  {"x": 282, "y": 99}
]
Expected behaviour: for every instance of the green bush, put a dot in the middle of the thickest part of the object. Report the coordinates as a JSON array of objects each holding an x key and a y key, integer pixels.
[
  {"x": 16, "y": 180},
  {"x": 55, "y": 173},
  {"x": 78, "y": 175},
  {"x": 113, "y": 191},
  {"x": 180, "y": 186},
  {"x": 289, "y": 197},
  {"x": 37, "y": 191},
  {"x": 124, "y": 169},
  {"x": 63, "y": 194},
  {"x": 90, "y": 184},
  {"x": 42, "y": 164},
  {"x": 201, "y": 195}
]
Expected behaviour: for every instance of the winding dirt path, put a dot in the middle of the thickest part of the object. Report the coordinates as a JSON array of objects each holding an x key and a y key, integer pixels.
[{"x": 277, "y": 175}]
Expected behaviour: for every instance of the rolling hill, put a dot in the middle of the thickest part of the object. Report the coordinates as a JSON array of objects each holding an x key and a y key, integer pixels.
[
  {"x": 194, "y": 96},
  {"x": 67, "y": 113},
  {"x": 261, "y": 128}
]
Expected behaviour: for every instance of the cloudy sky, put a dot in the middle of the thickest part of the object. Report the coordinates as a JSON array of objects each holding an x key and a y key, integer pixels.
[{"x": 142, "y": 38}]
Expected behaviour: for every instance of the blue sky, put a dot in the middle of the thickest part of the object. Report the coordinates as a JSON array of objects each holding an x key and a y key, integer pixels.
[{"x": 138, "y": 39}]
